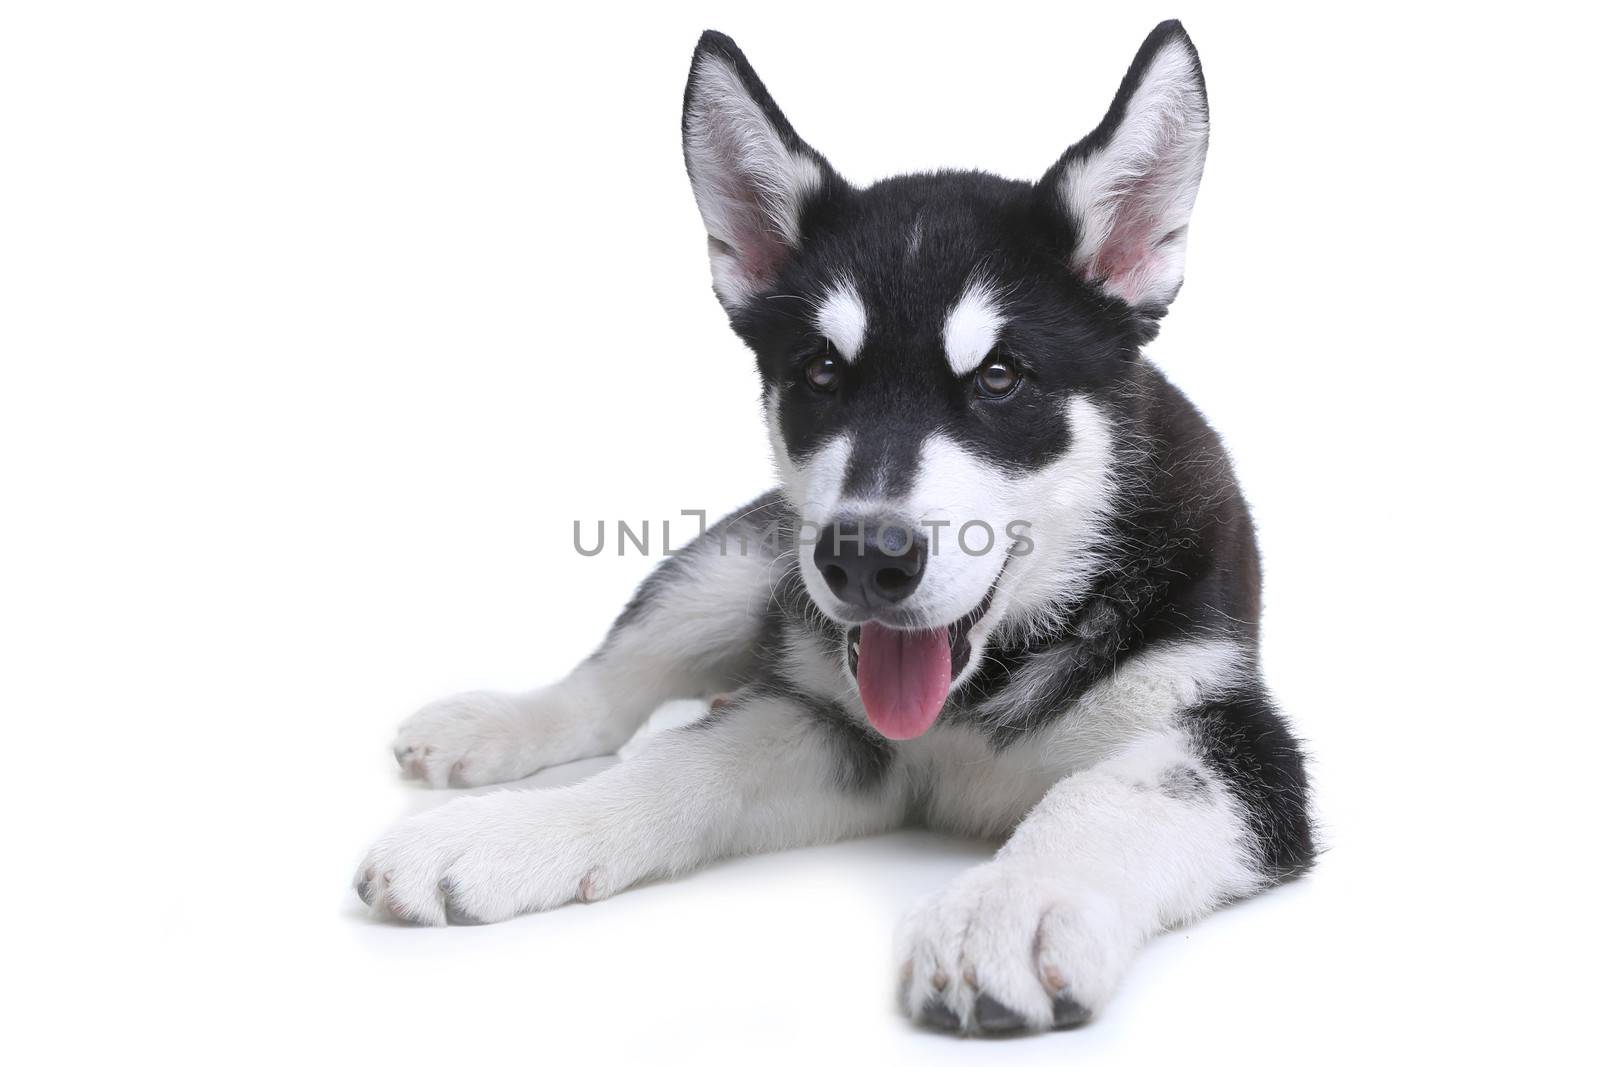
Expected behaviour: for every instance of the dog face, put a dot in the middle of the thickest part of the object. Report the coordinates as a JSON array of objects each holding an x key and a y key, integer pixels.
[{"x": 940, "y": 354}]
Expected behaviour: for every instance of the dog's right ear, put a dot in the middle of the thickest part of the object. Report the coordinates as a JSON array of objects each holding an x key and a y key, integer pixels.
[{"x": 752, "y": 175}]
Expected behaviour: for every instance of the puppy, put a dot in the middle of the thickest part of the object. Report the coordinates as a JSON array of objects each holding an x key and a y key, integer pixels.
[{"x": 1007, "y": 588}]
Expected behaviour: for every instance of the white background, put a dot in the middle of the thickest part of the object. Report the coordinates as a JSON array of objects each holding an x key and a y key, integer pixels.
[{"x": 320, "y": 323}]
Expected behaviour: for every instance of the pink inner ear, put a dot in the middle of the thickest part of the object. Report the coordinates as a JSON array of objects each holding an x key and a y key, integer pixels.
[
  {"x": 1129, "y": 246},
  {"x": 758, "y": 254},
  {"x": 755, "y": 248}
]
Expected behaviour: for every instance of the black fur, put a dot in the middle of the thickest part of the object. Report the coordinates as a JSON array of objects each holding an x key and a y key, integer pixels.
[
  {"x": 1182, "y": 782},
  {"x": 1186, "y": 565},
  {"x": 863, "y": 756},
  {"x": 1246, "y": 744}
]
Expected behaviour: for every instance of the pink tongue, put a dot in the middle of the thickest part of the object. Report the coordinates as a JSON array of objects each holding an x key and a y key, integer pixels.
[{"x": 904, "y": 676}]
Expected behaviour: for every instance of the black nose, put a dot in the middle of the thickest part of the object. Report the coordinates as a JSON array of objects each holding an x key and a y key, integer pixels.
[{"x": 870, "y": 565}]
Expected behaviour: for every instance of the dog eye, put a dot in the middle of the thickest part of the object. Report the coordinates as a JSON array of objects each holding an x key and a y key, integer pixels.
[
  {"x": 996, "y": 378},
  {"x": 823, "y": 372}
]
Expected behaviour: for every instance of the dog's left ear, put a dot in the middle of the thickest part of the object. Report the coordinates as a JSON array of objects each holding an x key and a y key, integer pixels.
[
  {"x": 1127, "y": 189},
  {"x": 753, "y": 176}
]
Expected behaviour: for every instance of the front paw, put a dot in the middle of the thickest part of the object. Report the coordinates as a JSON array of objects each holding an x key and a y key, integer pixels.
[
  {"x": 471, "y": 740},
  {"x": 1007, "y": 949},
  {"x": 484, "y": 859}
]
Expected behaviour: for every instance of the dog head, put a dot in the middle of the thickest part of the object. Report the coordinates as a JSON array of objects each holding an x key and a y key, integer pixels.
[{"x": 938, "y": 352}]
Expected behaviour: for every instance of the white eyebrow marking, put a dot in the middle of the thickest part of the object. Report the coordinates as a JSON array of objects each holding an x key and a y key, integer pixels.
[
  {"x": 973, "y": 326},
  {"x": 842, "y": 319}
]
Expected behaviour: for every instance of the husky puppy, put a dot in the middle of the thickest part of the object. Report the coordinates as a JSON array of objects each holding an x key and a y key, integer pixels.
[{"x": 1008, "y": 587}]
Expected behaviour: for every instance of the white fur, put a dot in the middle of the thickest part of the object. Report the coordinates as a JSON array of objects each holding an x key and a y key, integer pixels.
[
  {"x": 1102, "y": 856},
  {"x": 1141, "y": 695},
  {"x": 1068, "y": 506},
  {"x": 972, "y": 327},
  {"x": 812, "y": 666},
  {"x": 842, "y": 318},
  {"x": 813, "y": 488},
  {"x": 763, "y": 779},
  {"x": 972, "y": 790},
  {"x": 479, "y": 738},
  {"x": 1142, "y": 183},
  {"x": 957, "y": 487},
  {"x": 750, "y": 187},
  {"x": 1102, "y": 862},
  {"x": 714, "y": 606}
]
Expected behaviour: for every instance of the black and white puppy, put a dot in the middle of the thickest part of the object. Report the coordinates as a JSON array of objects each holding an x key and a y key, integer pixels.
[{"x": 1008, "y": 587}]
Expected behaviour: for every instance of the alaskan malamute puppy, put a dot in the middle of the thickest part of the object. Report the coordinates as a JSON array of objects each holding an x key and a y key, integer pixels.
[{"x": 1008, "y": 586}]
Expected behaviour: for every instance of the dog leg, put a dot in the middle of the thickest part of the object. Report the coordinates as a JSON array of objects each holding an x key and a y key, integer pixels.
[
  {"x": 688, "y": 633},
  {"x": 1156, "y": 835},
  {"x": 762, "y": 774}
]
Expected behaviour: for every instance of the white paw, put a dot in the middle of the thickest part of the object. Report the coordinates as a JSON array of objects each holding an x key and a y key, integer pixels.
[
  {"x": 486, "y": 858},
  {"x": 1009, "y": 947},
  {"x": 473, "y": 739}
]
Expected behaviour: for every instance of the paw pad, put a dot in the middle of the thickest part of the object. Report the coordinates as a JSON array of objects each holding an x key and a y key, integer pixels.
[
  {"x": 937, "y": 1015},
  {"x": 995, "y": 1018},
  {"x": 1069, "y": 1013}
]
